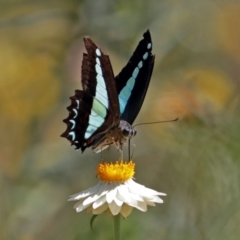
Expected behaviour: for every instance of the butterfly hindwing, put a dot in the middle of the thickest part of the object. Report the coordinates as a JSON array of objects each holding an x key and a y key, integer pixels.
[
  {"x": 133, "y": 80},
  {"x": 95, "y": 109}
]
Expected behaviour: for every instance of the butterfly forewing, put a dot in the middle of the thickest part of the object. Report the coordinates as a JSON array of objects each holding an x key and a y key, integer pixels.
[
  {"x": 132, "y": 82},
  {"x": 95, "y": 109}
]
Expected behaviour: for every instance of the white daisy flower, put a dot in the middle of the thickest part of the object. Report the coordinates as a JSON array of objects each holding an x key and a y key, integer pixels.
[{"x": 116, "y": 191}]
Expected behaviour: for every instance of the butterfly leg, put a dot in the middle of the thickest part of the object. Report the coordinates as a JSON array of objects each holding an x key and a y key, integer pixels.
[
  {"x": 107, "y": 153},
  {"x": 130, "y": 156},
  {"x": 132, "y": 151},
  {"x": 121, "y": 153},
  {"x": 120, "y": 149}
]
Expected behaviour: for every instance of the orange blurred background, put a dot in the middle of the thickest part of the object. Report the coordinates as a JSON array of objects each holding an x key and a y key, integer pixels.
[{"x": 196, "y": 78}]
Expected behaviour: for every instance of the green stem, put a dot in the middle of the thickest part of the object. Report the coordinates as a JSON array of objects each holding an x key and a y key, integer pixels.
[{"x": 117, "y": 233}]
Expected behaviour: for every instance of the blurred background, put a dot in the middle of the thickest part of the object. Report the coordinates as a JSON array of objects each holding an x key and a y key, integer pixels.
[{"x": 196, "y": 160}]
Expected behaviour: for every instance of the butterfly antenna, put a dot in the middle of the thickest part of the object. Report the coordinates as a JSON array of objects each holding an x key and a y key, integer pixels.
[
  {"x": 108, "y": 151},
  {"x": 172, "y": 120}
]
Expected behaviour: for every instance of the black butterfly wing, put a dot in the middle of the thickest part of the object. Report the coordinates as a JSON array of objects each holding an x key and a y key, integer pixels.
[
  {"x": 132, "y": 82},
  {"x": 95, "y": 109}
]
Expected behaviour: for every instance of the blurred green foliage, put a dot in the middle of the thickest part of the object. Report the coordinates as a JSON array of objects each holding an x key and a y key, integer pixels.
[{"x": 196, "y": 78}]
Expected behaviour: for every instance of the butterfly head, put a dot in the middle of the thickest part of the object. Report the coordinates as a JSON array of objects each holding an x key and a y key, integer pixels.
[{"x": 127, "y": 130}]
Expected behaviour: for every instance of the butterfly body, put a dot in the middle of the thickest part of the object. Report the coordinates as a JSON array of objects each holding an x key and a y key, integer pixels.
[
  {"x": 117, "y": 136},
  {"x": 102, "y": 113}
]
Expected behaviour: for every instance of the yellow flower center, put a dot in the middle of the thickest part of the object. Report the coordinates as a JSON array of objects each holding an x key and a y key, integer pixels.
[{"x": 115, "y": 172}]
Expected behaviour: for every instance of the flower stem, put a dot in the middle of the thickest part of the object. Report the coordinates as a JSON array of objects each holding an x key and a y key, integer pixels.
[{"x": 117, "y": 233}]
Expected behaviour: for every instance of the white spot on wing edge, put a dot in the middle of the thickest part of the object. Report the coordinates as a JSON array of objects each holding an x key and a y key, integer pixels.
[
  {"x": 77, "y": 101},
  {"x": 98, "y": 52},
  {"x": 73, "y": 124},
  {"x": 76, "y": 113},
  {"x": 149, "y": 46},
  {"x": 73, "y": 135}
]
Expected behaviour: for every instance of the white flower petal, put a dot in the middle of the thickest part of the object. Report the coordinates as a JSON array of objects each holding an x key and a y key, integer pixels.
[
  {"x": 78, "y": 203},
  {"x": 144, "y": 191},
  {"x": 114, "y": 208},
  {"x": 111, "y": 194},
  {"x": 99, "y": 202},
  {"x": 126, "y": 196},
  {"x": 102, "y": 190},
  {"x": 148, "y": 191},
  {"x": 155, "y": 199},
  {"x": 80, "y": 207},
  {"x": 100, "y": 209},
  {"x": 150, "y": 203},
  {"x": 142, "y": 206},
  {"x": 85, "y": 193},
  {"x": 118, "y": 197},
  {"x": 122, "y": 193},
  {"x": 135, "y": 196},
  {"x": 117, "y": 201},
  {"x": 133, "y": 203},
  {"x": 126, "y": 210},
  {"x": 91, "y": 199}
]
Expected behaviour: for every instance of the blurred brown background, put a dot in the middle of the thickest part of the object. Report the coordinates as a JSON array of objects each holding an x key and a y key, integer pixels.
[{"x": 196, "y": 78}]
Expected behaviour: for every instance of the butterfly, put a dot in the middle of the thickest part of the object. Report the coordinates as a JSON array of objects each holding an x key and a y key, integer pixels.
[{"x": 102, "y": 113}]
